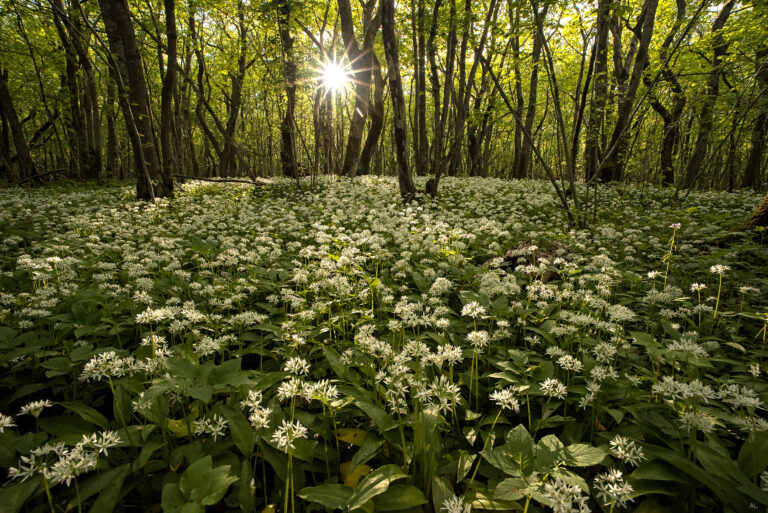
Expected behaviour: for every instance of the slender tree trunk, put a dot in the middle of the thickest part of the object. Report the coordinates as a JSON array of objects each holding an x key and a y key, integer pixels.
[
  {"x": 754, "y": 167},
  {"x": 407, "y": 189},
  {"x": 128, "y": 70},
  {"x": 613, "y": 167},
  {"x": 228, "y": 163},
  {"x": 530, "y": 110},
  {"x": 26, "y": 166},
  {"x": 287, "y": 136},
  {"x": 362, "y": 64},
  {"x": 706, "y": 117},
  {"x": 593, "y": 148},
  {"x": 377, "y": 119},
  {"x": 167, "y": 142}
]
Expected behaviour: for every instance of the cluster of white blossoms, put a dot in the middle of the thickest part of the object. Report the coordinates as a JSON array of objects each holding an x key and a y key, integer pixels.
[
  {"x": 612, "y": 489},
  {"x": 215, "y": 426},
  {"x": 57, "y": 463},
  {"x": 505, "y": 399},
  {"x": 565, "y": 498},
  {"x": 287, "y": 433},
  {"x": 627, "y": 450},
  {"x": 554, "y": 388}
]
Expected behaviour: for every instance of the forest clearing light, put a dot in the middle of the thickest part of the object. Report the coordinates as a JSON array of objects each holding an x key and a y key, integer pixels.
[{"x": 334, "y": 76}]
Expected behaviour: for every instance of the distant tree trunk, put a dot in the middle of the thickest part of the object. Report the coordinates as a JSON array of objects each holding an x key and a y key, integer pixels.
[
  {"x": 26, "y": 166},
  {"x": 440, "y": 113},
  {"x": 228, "y": 161},
  {"x": 754, "y": 168},
  {"x": 593, "y": 147},
  {"x": 167, "y": 142},
  {"x": 85, "y": 120},
  {"x": 377, "y": 118},
  {"x": 113, "y": 164},
  {"x": 524, "y": 162},
  {"x": 706, "y": 116},
  {"x": 407, "y": 189},
  {"x": 613, "y": 167},
  {"x": 128, "y": 70},
  {"x": 362, "y": 64},
  {"x": 287, "y": 136}
]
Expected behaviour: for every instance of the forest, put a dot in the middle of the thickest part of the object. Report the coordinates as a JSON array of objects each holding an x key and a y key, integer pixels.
[{"x": 424, "y": 256}]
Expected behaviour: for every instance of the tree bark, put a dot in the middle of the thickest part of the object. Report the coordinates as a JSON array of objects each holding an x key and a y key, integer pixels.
[
  {"x": 706, "y": 117},
  {"x": 754, "y": 167},
  {"x": 167, "y": 143},
  {"x": 405, "y": 181},
  {"x": 26, "y": 166},
  {"x": 593, "y": 148},
  {"x": 377, "y": 119},
  {"x": 361, "y": 59},
  {"x": 287, "y": 136},
  {"x": 613, "y": 167},
  {"x": 128, "y": 71}
]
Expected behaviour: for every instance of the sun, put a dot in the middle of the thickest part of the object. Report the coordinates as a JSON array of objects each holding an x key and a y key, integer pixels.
[{"x": 334, "y": 76}]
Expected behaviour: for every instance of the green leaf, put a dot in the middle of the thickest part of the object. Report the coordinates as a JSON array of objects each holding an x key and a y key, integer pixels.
[
  {"x": 331, "y": 496},
  {"x": 14, "y": 496},
  {"x": 245, "y": 493},
  {"x": 110, "y": 495},
  {"x": 368, "y": 449},
  {"x": 511, "y": 489},
  {"x": 548, "y": 453},
  {"x": 583, "y": 455},
  {"x": 516, "y": 456},
  {"x": 203, "y": 484},
  {"x": 399, "y": 497},
  {"x": 375, "y": 484},
  {"x": 753, "y": 456},
  {"x": 242, "y": 434},
  {"x": 87, "y": 413}
]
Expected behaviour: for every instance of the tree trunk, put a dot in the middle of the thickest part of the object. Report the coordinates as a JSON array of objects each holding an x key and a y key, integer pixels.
[
  {"x": 706, "y": 116},
  {"x": 228, "y": 162},
  {"x": 361, "y": 62},
  {"x": 593, "y": 148},
  {"x": 377, "y": 119},
  {"x": 128, "y": 70},
  {"x": 169, "y": 88},
  {"x": 287, "y": 136},
  {"x": 615, "y": 160},
  {"x": 754, "y": 168},
  {"x": 24, "y": 162},
  {"x": 407, "y": 189}
]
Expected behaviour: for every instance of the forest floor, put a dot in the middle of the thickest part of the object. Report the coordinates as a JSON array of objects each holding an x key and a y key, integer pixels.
[{"x": 241, "y": 347}]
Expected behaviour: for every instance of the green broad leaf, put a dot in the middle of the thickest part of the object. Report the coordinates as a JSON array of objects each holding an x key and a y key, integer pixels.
[
  {"x": 368, "y": 449},
  {"x": 753, "y": 456},
  {"x": 511, "y": 489},
  {"x": 464, "y": 464},
  {"x": 375, "y": 484},
  {"x": 242, "y": 434},
  {"x": 399, "y": 497},
  {"x": 203, "y": 484},
  {"x": 548, "y": 453},
  {"x": 583, "y": 455},
  {"x": 659, "y": 471},
  {"x": 483, "y": 498},
  {"x": 331, "y": 496},
  {"x": 87, "y": 413},
  {"x": 13, "y": 496},
  {"x": 147, "y": 450},
  {"x": 516, "y": 456},
  {"x": 441, "y": 491},
  {"x": 245, "y": 492},
  {"x": 111, "y": 493}
]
